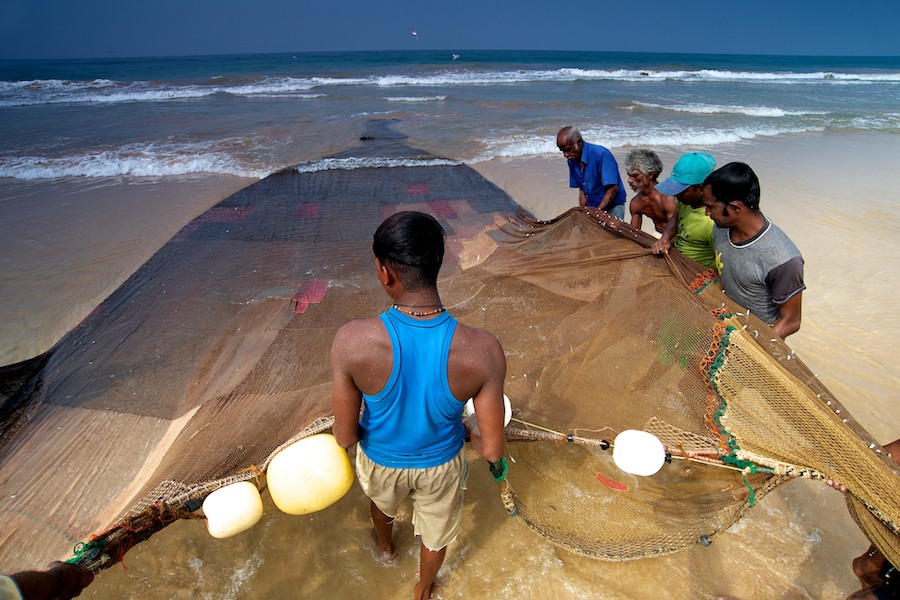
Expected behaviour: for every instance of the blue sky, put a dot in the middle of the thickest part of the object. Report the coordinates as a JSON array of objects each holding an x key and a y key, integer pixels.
[{"x": 103, "y": 28}]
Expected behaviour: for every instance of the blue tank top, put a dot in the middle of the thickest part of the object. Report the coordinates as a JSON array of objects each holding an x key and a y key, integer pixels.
[{"x": 414, "y": 421}]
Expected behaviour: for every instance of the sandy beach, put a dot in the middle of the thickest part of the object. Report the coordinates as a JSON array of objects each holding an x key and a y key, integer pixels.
[
  {"x": 71, "y": 242},
  {"x": 798, "y": 543}
]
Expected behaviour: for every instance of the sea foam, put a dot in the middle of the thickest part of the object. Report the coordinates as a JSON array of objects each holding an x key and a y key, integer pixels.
[
  {"x": 346, "y": 164},
  {"x": 31, "y": 92},
  {"x": 151, "y": 160},
  {"x": 753, "y": 111},
  {"x": 532, "y": 145}
]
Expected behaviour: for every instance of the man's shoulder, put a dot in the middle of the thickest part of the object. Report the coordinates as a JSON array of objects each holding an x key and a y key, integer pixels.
[
  {"x": 775, "y": 243},
  {"x": 596, "y": 149},
  {"x": 352, "y": 331},
  {"x": 476, "y": 339},
  {"x": 476, "y": 352},
  {"x": 363, "y": 324},
  {"x": 359, "y": 344},
  {"x": 476, "y": 334},
  {"x": 639, "y": 201},
  {"x": 660, "y": 199},
  {"x": 779, "y": 235}
]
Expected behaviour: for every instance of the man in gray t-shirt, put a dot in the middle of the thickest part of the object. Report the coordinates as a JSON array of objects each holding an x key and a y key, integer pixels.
[{"x": 759, "y": 266}]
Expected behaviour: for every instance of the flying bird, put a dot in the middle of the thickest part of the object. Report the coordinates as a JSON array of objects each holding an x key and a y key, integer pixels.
[{"x": 415, "y": 34}]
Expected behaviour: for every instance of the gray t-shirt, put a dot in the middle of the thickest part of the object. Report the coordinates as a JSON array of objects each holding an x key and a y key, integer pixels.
[{"x": 760, "y": 273}]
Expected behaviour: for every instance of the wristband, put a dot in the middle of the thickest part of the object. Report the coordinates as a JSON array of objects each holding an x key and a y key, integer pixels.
[{"x": 499, "y": 469}]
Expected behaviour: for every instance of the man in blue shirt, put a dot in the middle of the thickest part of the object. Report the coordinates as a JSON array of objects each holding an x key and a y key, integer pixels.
[
  {"x": 412, "y": 369},
  {"x": 594, "y": 171}
]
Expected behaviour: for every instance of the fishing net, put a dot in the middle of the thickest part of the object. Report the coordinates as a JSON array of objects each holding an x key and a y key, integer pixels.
[
  {"x": 214, "y": 355},
  {"x": 639, "y": 342}
]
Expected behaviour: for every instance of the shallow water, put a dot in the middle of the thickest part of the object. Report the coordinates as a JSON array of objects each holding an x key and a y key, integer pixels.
[{"x": 778, "y": 551}]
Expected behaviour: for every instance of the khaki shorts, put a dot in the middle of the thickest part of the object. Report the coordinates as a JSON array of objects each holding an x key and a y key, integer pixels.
[{"x": 437, "y": 495}]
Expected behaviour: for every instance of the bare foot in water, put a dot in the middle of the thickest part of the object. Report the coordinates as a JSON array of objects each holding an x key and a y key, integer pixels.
[
  {"x": 386, "y": 553},
  {"x": 423, "y": 593}
]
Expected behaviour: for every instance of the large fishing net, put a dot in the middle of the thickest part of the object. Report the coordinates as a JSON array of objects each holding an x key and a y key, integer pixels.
[{"x": 214, "y": 355}]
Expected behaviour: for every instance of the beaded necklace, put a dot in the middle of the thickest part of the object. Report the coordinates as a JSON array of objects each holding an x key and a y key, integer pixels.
[{"x": 413, "y": 313}]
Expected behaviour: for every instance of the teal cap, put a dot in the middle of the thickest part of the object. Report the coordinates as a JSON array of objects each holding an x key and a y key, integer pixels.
[{"x": 690, "y": 169}]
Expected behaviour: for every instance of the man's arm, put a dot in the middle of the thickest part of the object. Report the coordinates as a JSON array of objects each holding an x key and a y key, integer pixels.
[
  {"x": 786, "y": 281},
  {"x": 582, "y": 199},
  {"x": 490, "y": 439},
  {"x": 636, "y": 208},
  {"x": 789, "y": 313},
  {"x": 609, "y": 192},
  {"x": 662, "y": 245},
  {"x": 346, "y": 397},
  {"x": 61, "y": 581},
  {"x": 670, "y": 209},
  {"x": 636, "y": 218}
]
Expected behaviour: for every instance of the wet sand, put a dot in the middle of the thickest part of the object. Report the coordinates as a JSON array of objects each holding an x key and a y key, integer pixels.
[
  {"x": 798, "y": 543},
  {"x": 69, "y": 243}
]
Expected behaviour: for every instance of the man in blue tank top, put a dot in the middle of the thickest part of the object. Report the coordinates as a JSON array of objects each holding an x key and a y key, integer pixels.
[
  {"x": 759, "y": 267},
  {"x": 411, "y": 370}
]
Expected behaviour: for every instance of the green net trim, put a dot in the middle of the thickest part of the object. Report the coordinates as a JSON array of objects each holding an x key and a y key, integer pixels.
[{"x": 710, "y": 366}]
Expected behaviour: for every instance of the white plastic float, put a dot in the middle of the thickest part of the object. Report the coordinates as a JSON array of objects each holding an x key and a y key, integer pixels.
[
  {"x": 638, "y": 452},
  {"x": 232, "y": 509}
]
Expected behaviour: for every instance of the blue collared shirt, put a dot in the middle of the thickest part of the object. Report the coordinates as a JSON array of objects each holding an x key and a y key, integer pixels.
[{"x": 600, "y": 170}]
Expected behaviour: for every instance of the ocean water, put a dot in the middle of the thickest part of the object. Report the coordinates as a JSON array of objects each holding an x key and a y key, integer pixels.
[{"x": 252, "y": 115}]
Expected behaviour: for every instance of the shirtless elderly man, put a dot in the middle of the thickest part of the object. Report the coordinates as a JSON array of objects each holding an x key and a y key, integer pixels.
[{"x": 643, "y": 168}]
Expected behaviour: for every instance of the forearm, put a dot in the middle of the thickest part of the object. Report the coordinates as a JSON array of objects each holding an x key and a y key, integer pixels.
[
  {"x": 490, "y": 450},
  {"x": 346, "y": 434},
  {"x": 789, "y": 314},
  {"x": 62, "y": 581},
  {"x": 665, "y": 240},
  {"x": 668, "y": 233},
  {"x": 608, "y": 195},
  {"x": 785, "y": 326}
]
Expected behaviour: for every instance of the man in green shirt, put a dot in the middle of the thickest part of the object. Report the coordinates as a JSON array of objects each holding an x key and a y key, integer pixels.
[{"x": 689, "y": 229}]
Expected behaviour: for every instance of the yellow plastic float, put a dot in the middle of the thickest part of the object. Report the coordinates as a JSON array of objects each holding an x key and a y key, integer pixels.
[
  {"x": 232, "y": 509},
  {"x": 309, "y": 475}
]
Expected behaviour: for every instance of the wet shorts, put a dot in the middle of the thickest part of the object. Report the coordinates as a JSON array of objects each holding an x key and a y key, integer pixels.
[{"x": 437, "y": 495}]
